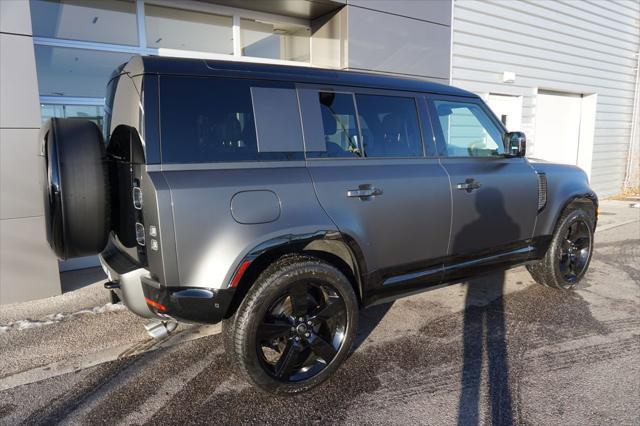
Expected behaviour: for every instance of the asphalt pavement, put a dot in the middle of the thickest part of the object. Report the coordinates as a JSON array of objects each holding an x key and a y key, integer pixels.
[{"x": 499, "y": 349}]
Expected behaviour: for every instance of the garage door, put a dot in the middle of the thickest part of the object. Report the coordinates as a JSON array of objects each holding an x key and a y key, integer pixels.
[
  {"x": 508, "y": 109},
  {"x": 558, "y": 127}
]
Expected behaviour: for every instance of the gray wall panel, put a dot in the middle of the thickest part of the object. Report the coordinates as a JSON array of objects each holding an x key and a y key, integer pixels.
[
  {"x": 19, "y": 102},
  {"x": 438, "y": 11},
  {"x": 380, "y": 41},
  {"x": 22, "y": 169},
  {"x": 28, "y": 268},
  {"x": 15, "y": 18}
]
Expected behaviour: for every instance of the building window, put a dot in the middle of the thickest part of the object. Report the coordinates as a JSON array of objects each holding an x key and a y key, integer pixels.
[
  {"x": 186, "y": 30},
  {"x": 105, "y": 21},
  {"x": 275, "y": 41},
  {"x": 94, "y": 113},
  {"x": 79, "y": 43},
  {"x": 75, "y": 72}
]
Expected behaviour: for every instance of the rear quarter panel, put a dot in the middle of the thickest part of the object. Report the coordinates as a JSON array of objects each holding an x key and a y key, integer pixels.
[{"x": 209, "y": 241}]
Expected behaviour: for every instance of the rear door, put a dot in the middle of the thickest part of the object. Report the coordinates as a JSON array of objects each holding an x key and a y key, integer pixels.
[
  {"x": 494, "y": 197},
  {"x": 377, "y": 182}
]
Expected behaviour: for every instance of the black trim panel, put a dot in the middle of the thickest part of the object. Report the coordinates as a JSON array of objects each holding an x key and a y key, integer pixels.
[
  {"x": 190, "y": 304},
  {"x": 300, "y": 241},
  {"x": 383, "y": 287}
]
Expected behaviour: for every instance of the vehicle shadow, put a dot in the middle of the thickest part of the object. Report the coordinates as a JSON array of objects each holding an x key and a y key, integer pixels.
[
  {"x": 368, "y": 321},
  {"x": 484, "y": 330},
  {"x": 80, "y": 278}
]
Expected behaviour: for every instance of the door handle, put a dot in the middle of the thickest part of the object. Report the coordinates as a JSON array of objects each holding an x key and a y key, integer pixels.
[
  {"x": 469, "y": 185},
  {"x": 364, "y": 191}
]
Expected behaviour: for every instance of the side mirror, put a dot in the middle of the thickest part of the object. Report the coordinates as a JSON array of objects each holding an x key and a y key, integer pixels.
[{"x": 516, "y": 143}]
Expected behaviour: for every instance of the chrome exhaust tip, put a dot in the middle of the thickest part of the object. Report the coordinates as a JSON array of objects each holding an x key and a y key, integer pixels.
[{"x": 160, "y": 329}]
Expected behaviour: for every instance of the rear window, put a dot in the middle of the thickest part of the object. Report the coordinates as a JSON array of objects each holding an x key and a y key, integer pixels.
[
  {"x": 206, "y": 120},
  {"x": 354, "y": 125},
  {"x": 389, "y": 126}
]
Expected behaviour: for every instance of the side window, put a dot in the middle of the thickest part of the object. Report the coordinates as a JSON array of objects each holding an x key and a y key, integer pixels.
[
  {"x": 212, "y": 119},
  {"x": 339, "y": 125},
  {"x": 467, "y": 130},
  {"x": 389, "y": 126}
]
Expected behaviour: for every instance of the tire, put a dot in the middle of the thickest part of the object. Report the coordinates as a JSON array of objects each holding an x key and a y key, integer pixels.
[
  {"x": 554, "y": 269},
  {"x": 297, "y": 361},
  {"x": 76, "y": 188}
]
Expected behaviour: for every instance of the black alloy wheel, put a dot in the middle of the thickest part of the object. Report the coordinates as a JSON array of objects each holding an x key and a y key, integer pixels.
[
  {"x": 575, "y": 250},
  {"x": 569, "y": 254},
  {"x": 294, "y": 327},
  {"x": 302, "y": 331}
]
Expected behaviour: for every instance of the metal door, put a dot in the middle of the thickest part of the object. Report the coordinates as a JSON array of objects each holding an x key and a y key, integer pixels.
[
  {"x": 397, "y": 210},
  {"x": 494, "y": 197}
]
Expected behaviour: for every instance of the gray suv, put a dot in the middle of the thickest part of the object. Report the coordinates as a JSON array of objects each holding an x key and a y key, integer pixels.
[{"x": 279, "y": 200}]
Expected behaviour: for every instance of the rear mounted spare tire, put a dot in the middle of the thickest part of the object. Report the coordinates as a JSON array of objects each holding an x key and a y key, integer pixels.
[{"x": 76, "y": 188}]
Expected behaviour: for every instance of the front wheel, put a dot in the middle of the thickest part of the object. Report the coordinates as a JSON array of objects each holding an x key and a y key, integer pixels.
[
  {"x": 294, "y": 327},
  {"x": 569, "y": 253}
]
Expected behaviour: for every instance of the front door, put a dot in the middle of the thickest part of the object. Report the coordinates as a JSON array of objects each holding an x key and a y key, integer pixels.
[
  {"x": 494, "y": 196},
  {"x": 371, "y": 175}
]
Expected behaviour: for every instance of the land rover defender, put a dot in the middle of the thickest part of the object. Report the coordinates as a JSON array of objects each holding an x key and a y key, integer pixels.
[{"x": 280, "y": 200}]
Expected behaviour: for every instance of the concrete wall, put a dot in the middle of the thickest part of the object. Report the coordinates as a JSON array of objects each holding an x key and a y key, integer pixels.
[
  {"x": 28, "y": 269},
  {"x": 402, "y": 37},
  {"x": 584, "y": 47}
]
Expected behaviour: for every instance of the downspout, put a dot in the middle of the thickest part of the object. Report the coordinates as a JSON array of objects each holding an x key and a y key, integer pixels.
[{"x": 632, "y": 177}]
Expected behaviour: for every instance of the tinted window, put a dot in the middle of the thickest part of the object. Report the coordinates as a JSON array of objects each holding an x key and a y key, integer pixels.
[
  {"x": 389, "y": 126},
  {"x": 467, "y": 130},
  {"x": 210, "y": 119},
  {"x": 339, "y": 125}
]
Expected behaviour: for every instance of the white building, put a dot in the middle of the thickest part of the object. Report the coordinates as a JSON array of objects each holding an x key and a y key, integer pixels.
[{"x": 576, "y": 74}]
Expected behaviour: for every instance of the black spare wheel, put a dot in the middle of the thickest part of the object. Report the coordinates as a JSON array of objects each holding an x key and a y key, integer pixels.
[{"x": 76, "y": 188}]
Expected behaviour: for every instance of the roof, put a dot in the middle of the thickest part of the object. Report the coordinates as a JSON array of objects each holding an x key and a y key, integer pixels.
[{"x": 299, "y": 74}]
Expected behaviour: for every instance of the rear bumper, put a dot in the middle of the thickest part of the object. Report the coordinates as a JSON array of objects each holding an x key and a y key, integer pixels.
[
  {"x": 191, "y": 304},
  {"x": 149, "y": 298}
]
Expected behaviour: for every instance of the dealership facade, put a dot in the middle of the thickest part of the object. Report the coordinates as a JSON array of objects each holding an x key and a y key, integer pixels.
[{"x": 566, "y": 73}]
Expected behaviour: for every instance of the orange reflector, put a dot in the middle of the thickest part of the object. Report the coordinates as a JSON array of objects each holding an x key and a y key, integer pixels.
[
  {"x": 239, "y": 273},
  {"x": 156, "y": 305}
]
